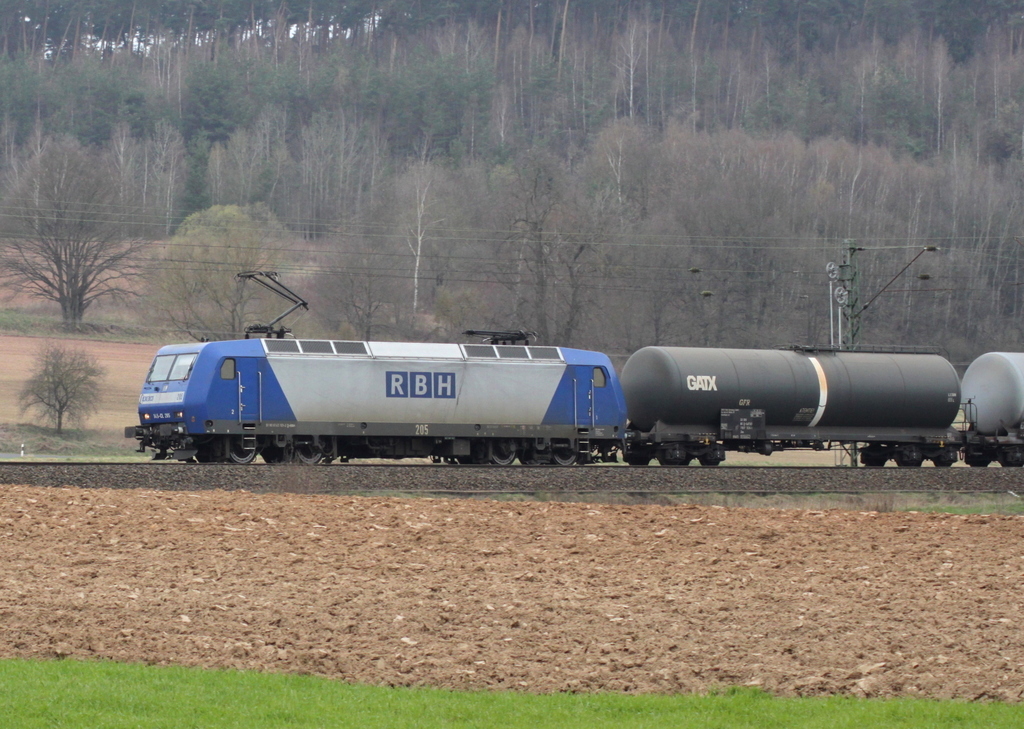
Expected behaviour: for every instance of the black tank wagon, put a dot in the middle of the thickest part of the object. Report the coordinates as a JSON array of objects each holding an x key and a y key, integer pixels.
[{"x": 688, "y": 404}]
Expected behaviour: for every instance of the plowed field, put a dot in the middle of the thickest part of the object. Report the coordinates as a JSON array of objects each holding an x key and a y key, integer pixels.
[{"x": 525, "y": 596}]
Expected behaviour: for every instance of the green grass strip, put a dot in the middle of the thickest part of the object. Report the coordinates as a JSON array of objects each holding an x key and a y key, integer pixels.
[{"x": 102, "y": 695}]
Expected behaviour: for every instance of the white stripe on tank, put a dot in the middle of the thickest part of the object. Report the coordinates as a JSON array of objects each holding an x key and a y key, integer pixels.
[{"x": 822, "y": 391}]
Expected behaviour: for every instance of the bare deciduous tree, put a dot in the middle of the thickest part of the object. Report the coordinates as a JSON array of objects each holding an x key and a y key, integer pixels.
[
  {"x": 365, "y": 291},
  {"x": 64, "y": 387},
  {"x": 196, "y": 286},
  {"x": 63, "y": 227}
]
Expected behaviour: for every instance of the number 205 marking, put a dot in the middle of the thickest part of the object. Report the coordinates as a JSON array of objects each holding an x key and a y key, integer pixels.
[{"x": 422, "y": 429}]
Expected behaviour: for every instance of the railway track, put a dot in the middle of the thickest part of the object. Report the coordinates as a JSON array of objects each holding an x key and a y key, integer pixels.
[{"x": 402, "y": 478}]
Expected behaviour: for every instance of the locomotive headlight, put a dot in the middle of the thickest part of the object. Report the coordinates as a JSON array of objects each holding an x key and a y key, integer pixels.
[
  {"x": 179, "y": 414},
  {"x": 145, "y": 416}
]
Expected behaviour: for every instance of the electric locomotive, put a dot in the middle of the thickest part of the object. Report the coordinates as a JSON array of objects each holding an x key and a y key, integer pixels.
[{"x": 322, "y": 400}]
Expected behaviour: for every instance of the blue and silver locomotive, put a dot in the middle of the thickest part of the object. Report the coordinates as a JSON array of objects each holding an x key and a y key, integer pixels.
[{"x": 323, "y": 400}]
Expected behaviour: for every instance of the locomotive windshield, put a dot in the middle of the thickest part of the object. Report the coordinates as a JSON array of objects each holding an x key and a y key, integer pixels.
[{"x": 171, "y": 367}]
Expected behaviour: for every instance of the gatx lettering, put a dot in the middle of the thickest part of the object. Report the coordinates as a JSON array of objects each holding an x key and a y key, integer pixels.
[{"x": 701, "y": 382}]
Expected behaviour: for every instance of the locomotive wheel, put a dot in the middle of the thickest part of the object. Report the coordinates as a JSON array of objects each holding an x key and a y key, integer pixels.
[
  {"x": 308, "y": 455},
  {"x": 502, "y": 452},
  {"x": 977, "y": 462},
  {"x": 563, "y": 457},
  {"x": 873, "y": 461},
  {"x": 238, "y": 454}
]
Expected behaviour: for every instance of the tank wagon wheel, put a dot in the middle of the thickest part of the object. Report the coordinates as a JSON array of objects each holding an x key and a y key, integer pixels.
[
  {"x": 909, "y": 460},
  {"x": 502, "y": 452},
  {"x": 238, "y": 454},
  {"x": 709, "y": 460},
  {"x": 873, "y": 459},
  {"x": 945, "y": 460},
  {"x": 665, "y": 461}
]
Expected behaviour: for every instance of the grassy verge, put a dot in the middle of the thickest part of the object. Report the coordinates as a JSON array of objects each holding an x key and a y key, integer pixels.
[
  {"x": 40, "y": 443},
  {"x": 109, "y": 695}
]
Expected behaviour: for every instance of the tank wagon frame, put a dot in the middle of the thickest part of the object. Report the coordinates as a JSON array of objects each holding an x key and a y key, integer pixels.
[
  {"x": 739, "y": 432},
  {"x": 314, "y": 401}
]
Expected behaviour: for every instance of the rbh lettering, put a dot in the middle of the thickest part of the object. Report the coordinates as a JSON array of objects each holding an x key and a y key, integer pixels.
[{"x": 420, "y": 384}]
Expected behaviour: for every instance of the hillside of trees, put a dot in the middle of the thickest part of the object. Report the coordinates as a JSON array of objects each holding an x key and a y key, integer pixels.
[{"x": 606, "y": 173}]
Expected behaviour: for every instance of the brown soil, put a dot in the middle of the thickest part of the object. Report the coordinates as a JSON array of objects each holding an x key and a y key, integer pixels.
[{"x": 526, "y": 596}]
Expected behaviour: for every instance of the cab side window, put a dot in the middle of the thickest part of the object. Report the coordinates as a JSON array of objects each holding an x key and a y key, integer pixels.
[
  {"x": 600, "y": 378},
  {"x": 227, "y": 369}
]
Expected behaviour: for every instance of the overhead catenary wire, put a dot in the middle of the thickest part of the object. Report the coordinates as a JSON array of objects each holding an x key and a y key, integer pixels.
[{"x": 341, "y": 228}]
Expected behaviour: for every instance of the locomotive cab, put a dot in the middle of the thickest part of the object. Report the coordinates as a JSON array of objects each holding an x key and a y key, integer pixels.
[{"x": 162, "y": 408}]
